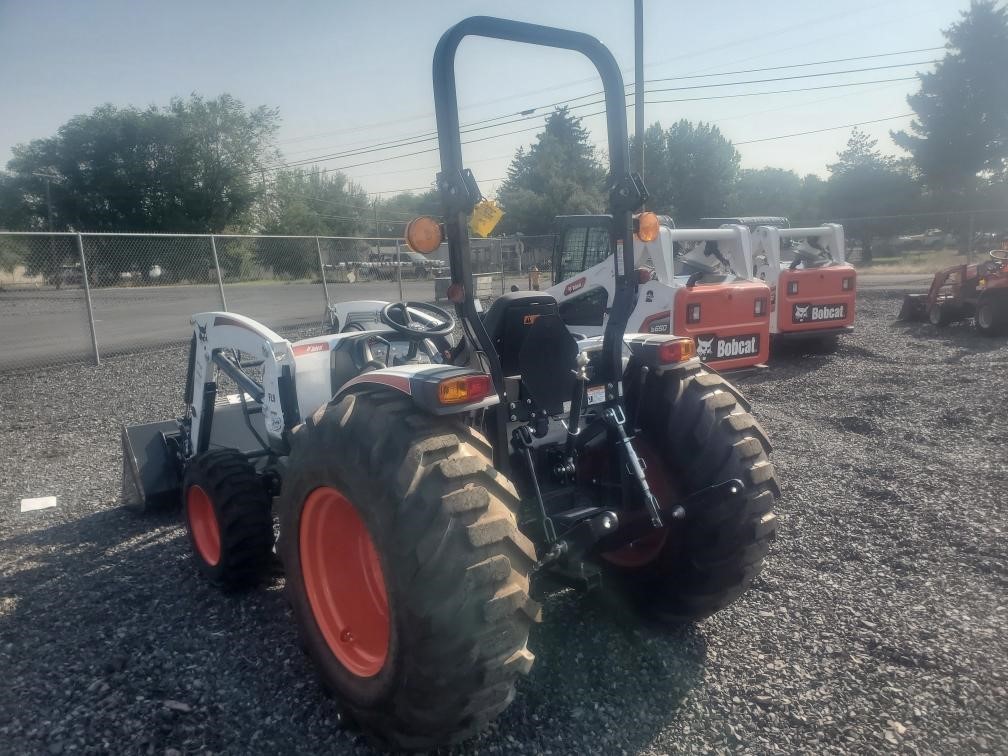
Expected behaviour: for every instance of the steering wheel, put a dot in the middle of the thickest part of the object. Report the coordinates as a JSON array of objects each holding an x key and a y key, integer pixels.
[
  {"x": 1001, "y": 255},
  {"x": 397, "y": 316}
]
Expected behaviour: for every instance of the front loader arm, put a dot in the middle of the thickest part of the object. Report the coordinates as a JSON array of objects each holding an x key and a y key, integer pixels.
[{"x": 217, "y": 339}]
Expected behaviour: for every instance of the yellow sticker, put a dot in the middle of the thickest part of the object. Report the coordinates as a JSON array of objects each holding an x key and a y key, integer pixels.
[{"x": 486, "y": 215}]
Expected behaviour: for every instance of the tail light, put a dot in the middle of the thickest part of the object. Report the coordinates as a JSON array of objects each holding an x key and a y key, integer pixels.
[
  {"x": 792, "y": 287},
  {"x": 848, "y": 283},
  {"x": 759, "y": 306},
  {"x": 676, "y": 350},
  {"x": 464, "y": 389},
  {"x": 693, "y": 313}
]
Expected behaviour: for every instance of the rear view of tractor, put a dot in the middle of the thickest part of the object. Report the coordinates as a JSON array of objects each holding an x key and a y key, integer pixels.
[
  {"x": 420, "y": 484},
  {"x": 693, "y": 282},
  {"x": 978, "y": 291}
]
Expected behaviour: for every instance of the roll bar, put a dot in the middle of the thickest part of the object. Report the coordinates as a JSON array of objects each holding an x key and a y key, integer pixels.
[{"x": 460, "y": 193}]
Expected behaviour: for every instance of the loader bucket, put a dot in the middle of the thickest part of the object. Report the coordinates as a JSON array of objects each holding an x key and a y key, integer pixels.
[
  {"x": 150, "y": 474},
  {"x": 914, "y": 307}
]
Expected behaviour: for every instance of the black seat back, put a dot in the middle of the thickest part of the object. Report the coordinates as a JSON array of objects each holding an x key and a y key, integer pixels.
[{"x": 508, "y": 322}]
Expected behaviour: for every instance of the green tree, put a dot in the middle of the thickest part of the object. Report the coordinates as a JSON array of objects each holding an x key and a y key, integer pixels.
[
  {"x": 395, "y": 212},
  {"x": 960, "y": 133},
  {"x": 864, "y": 187},
  {"x": 309, "y": 203},
  {"x": 193, "y": 166},
  {"x": 560, "y": 174},
  {"x": 690, "y": 170},
  {"x": 767, "y": 191}
]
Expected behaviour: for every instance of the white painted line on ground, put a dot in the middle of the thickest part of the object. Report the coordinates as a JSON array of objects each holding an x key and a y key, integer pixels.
[{"x": 40, "y": 502}]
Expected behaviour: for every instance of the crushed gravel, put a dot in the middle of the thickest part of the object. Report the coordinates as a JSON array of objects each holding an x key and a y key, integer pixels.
[{"x": 880, "y": 623}]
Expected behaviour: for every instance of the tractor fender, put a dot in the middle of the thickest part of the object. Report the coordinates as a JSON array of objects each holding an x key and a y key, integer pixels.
[{"x": 420, "y": 383}]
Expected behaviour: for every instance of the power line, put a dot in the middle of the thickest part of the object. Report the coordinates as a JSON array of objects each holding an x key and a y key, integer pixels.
[
  {"x": 528, "y": 113},
  {"x": 779, "y": 91},
  {"x": 819, "y": 131},
  {"x": 793, "y": 65},
  {"x": 790, "y": 78}
]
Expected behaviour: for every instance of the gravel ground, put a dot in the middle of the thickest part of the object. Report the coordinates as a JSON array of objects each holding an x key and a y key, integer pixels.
[{"x": 879, "y": 624}]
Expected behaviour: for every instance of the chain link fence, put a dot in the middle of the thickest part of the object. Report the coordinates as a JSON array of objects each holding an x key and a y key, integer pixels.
[{"x": 68, "y": 297}]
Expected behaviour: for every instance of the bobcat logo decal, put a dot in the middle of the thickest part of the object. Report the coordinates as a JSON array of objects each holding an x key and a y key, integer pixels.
[
  {"x": 704, "y": 347},
  {"x": 815, "y": 313},
  {"x": 202, "y": 332}
]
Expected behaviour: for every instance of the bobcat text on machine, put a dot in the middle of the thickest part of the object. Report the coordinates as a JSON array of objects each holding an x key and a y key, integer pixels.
[
  {"x": 693, "y": 282},
  {"x": 419, "y": 484},
  {"x": 813, "y": 287}
]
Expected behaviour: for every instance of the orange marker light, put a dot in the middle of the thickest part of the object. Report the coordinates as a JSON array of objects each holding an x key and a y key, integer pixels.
[
  {"x": 647, "y": 227},
  {"x": 423, "y": 235},
  {"x": 676, "y": 350},
  {"x": 467, "y": 388}
]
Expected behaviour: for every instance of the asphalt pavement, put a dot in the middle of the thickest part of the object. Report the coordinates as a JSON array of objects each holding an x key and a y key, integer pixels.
[{"x": 42, "y": 327}]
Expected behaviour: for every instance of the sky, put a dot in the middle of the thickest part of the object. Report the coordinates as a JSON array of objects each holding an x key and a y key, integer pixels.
[{"x": 349, "y": 75}]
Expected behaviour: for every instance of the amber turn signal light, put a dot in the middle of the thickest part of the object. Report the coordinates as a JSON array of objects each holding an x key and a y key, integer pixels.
[
  {"x": 676, "y": 350},
  {"x": 423, "y": 235},
  {"x": 464, "y": 389},
  {"x": 646, "y": 227}
]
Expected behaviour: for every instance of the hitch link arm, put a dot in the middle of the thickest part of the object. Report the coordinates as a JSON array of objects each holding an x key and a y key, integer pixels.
[
  {"x": 521, "y": 439},
  {"x": 617, "y": 420}
]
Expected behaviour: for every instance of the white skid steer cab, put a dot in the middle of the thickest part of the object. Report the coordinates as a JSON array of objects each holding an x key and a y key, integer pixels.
[
  {"x": 814, "y": 287},
  {"x": 692, "y": 282}
]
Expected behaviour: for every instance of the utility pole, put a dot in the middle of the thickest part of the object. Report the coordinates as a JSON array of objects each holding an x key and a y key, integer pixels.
[
  {"x": 374, "y": 204},
  {"x": 52, "y": 241},
  {"x": 639, "y": 83}
]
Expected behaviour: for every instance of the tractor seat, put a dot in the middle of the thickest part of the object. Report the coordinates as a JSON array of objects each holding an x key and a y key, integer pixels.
[{"x": 508, "y": 321}]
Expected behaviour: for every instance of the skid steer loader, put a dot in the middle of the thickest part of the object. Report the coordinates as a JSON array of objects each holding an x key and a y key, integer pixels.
[
  {"x": 813, "y": 287},
  {"x": 692, "y": 282},
  {"x": 420, "y": 483}
]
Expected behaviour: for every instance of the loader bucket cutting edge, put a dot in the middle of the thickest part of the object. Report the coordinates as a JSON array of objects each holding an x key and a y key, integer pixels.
[
  {"x": 914, "y": 307},
  {"x": 150, "y": 478}
]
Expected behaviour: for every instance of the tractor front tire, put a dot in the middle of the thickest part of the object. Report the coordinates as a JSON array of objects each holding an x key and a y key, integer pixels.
[
  {"x": 406, "y": 572},
  {"x": 696, "y": 429},
  {"x": 940, "y": 315},
  {"x": 992, "y": 315},
  {"x": 228, "y": 518}
]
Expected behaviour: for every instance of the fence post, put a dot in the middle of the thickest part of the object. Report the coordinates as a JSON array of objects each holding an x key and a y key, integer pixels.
[
  {"x": 220, "y": 279},
  {"x": 402, "y": 297},
  {"x": 321, "y": 266},
  {"x": 969, "y": 242},
  {"x": 87, "y": 297}
]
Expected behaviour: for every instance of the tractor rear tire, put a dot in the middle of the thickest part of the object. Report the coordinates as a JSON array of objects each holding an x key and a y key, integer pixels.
[
  {"x": 992, "y": 315},
  {"x": 418, "y": 620},
  {"x": 698, "y": 429},
  {"x": 228, "y": 518}
]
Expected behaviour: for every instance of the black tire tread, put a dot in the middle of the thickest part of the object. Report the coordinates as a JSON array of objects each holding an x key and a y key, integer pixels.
[
  {"x": 698, "y": 425},
  {"x": 461, "y": 566},
  {"x": 242, "y": 507}
]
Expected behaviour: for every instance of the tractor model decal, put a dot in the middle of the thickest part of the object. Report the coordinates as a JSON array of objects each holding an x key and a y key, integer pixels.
[
  {"x": 809, "y": 313},
  {"x": 660, "y": 322},
  {"x": 712, "y": 347},
  {"x": 575, "y": 286}
]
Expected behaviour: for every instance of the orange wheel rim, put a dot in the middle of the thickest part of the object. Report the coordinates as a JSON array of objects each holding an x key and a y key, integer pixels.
[
  {"x": 203, "y": 525},
  {"x": 648, "y": 547},
  {"x": 344, "y": 582}
]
